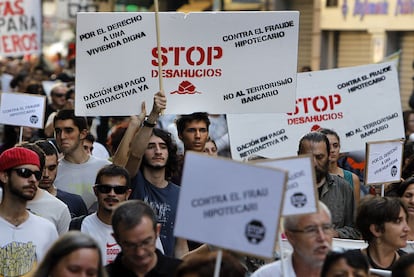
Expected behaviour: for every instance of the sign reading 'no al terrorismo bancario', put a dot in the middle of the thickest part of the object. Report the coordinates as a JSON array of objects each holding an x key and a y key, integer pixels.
[
  {"x": 213, "y": 62},
  {"x": 360, "y": 103}
]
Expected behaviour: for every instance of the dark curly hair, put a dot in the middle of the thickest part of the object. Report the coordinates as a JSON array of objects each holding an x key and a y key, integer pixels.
[{"x": 171, "y": 168}]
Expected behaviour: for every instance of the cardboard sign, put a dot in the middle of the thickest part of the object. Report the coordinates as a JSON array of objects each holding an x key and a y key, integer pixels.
[
  {"x": 336, "y": 99},
  {"x": 383, "y": 161},
  {"x": 227, "y": 65},
  {"x": 22, "y": 109},
  {"x": 230, "y": 204},
  {"x": 300, "y": 195},
  {"x": 20, "y": 27}
]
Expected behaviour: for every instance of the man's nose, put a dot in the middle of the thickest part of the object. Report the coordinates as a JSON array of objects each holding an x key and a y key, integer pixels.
[{"x": 198, "y": 133}]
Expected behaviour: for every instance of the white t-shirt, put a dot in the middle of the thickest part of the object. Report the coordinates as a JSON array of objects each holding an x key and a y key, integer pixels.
[
  {"x": 51, "y": 208},
  {"x": 79, "y": 178},
  {"x": 102, "y": 233},
  {"x": 275, "y": 269},
  {"x": 24, "y": 246}
]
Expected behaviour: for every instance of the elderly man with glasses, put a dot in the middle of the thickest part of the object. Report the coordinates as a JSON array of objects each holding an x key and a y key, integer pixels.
[
  {"x": 136, "y": 230},
  {"x": 311, "y": 238}
]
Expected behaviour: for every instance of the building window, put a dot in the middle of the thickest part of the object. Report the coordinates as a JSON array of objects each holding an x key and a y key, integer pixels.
[{"x": 332, "y": 3}]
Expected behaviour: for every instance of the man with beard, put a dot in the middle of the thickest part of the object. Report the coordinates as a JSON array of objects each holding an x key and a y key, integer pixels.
[
  {"x": 112, "y": 186},
  {"x": 333, "y": 190},
  {"x": 311, "y": 238},
  {"x": 152, "y": 162},
  {"x": 24, "y": 237}
]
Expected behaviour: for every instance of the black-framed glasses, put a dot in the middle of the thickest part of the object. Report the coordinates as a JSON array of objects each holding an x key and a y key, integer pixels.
[
  {"x": 130, "y": 246},
  {"x": 313, "y": 230},
  {"x": 58, "y": 95},
  {"x": 104, "y": 188},
  {"x": 26, "y": 173}
]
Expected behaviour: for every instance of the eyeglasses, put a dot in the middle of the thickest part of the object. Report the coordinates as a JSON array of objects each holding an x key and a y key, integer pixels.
[
  {"x": 58, "y": 95},
  {"x": 26, "y": 173},
  {"x": 129, "y": 246},
  {"x": 313, "y": 230},
  {"x": 103, "y": 188}
]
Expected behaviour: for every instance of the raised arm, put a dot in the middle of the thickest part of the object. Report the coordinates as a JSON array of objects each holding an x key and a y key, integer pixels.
[
  {"x": 141, "y": 138},
  {"x": 121, "y": 155}
]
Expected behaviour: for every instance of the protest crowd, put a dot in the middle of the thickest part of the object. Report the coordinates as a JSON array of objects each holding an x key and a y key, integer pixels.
[{"x": 98, "y": 196}]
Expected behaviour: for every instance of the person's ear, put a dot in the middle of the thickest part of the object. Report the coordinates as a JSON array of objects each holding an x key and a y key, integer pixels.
[
  {"x": 95, "y": 191},
  {"x": 158, "y": 229},
  {"x": 83, "y": 134},
  {"x": 375, "y": 230},
  {"x": 128, "y": 193},
  {"x": 4, "y": 177}
]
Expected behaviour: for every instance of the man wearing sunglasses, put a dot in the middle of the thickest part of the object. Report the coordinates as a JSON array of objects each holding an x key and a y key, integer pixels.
[
  {"x": 111, "y": 188},
  {"x": 58, "y": 102},
  {"x": 24, "y": 237}
]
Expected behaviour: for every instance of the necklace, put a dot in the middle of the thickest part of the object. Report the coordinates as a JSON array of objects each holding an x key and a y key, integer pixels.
[{"x": 374, "y": 265}]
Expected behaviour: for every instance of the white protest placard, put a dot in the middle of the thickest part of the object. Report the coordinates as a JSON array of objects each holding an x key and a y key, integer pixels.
[
  {"x": 360, "y": 103},
  {"x": 230, "y": 204},
  {"x": 216, "y": 62},
  {"x": 20, "y": 27},
  {"x": 300, "y": 194},
  {"x": 383, "y": 161},
  {"x": 22, "y": 109}
]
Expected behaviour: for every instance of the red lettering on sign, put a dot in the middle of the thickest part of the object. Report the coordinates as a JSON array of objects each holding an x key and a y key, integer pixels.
[
  {"x": 11, "y": 8},
  {"x": 320, "y": 103},
  {"x": 19, "y": 43},
  {"x": 194, "y": 55}
]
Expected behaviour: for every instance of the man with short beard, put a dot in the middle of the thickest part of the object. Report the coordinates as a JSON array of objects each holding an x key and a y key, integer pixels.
[
  {"x": 152, "y": 162},
  {"x": 333, "y": 190},
  {"x": 112, "y": 186},
  {"x": 24, "y": 237}
]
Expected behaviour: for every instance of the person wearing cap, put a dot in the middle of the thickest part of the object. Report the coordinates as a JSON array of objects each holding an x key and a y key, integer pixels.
[{"x": 24, "y": 237}]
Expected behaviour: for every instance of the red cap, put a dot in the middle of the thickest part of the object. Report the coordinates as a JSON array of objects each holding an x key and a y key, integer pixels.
[{"x": 18, "y": 156}]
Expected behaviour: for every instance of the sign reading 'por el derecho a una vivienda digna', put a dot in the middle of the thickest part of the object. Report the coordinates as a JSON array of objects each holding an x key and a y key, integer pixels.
[
  {"x": 214, "y": 62},
  {"x": 360, "y": 103}
]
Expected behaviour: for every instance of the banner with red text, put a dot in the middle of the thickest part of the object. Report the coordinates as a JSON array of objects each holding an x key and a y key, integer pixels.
[
  {"x": 214, "y": 62},
  {"x": 20, "y": 27},
  {"x": 360, "y": 103}
]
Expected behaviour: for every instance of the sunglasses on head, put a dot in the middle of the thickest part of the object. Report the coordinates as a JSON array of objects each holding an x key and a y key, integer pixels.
[
  {"x": 103, "y": 188},
  {"x": 26, "y": 173}
]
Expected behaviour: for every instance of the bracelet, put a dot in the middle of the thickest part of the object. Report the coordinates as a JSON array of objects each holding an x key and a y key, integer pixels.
[{"x": 146, "y": 123}]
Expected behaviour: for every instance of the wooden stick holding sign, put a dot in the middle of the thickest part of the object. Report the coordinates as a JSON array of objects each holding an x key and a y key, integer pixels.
[
  {"x": 242, "y": 199},
  {"x": 218, "y": 263},
  {"x": 157, "y": 29},
  {"x": 383, "y": 162}
]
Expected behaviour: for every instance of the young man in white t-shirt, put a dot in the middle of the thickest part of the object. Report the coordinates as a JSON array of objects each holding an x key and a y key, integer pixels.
[
  {"x": 25, "y": 237},
  {"x": 112, "y": 186}
]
